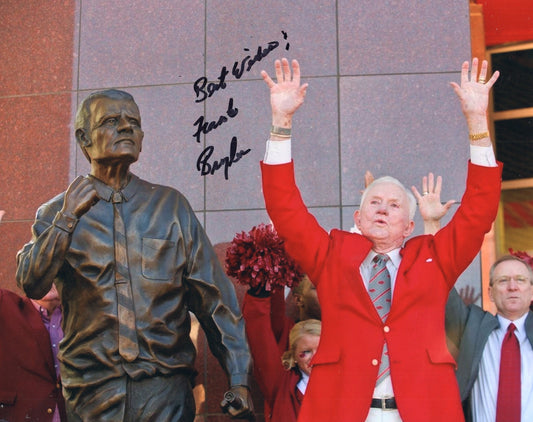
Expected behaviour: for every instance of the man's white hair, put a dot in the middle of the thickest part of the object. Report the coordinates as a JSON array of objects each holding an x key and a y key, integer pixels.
[{"x": 389, "y": 179}]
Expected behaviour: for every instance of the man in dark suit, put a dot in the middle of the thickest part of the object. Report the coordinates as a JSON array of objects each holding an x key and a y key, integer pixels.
[
  {"x": 478, "y": 335},
  {"x": 346, "y": 382}
]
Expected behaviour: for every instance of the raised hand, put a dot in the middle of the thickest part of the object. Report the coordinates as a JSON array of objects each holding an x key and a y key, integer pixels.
[
  {"x": 286, "y": 94},
  {"x": 469, "y": 295},
  {"x": 473, "y": 91},
  {"x": 429, "y": 203},
  {"x": 79, "y": 197}
]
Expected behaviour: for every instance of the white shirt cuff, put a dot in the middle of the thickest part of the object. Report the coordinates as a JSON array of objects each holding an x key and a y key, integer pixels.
[
  {"x": 482, "y": 156},
  {"x": 278, "y": 152}
]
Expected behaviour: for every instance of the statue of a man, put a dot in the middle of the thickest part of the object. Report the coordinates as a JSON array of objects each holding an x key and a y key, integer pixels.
[{"x": 130, "y": 260}]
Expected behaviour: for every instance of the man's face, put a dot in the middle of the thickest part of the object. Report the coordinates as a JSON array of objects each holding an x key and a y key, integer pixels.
[
  {"x": 115, "y": 131},
  {"x": 384, "y": 215},
  {"x": 308, "y": 301},
  {"x": 511, "y": 290},
  {"x": 51, "y": 300}
]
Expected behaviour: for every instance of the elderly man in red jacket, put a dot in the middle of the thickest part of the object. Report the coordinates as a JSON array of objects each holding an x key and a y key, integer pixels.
[{"x": 386, "y": 362}]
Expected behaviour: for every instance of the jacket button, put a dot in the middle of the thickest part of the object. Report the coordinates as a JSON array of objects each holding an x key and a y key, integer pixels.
[
  {"x": 386, "y": 328},
  {"x": 49, "y": 411},
  {"x": 375, "y": 362}
]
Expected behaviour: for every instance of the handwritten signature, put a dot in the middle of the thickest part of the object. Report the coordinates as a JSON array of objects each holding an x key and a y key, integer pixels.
[
  {"x": 206, "y": 127},
  {"x": 205, "y": 168},
  {"x": 204, "y": 90}
]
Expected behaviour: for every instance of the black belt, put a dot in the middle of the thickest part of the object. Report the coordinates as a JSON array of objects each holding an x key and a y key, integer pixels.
[{"x": 384, "y": 404}]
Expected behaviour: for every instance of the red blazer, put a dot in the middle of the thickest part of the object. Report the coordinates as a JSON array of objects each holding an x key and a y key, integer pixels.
[
  {"x": 29, "y": 390},
  {"x": 277, "y": 385},
  {"x": 346, "y": 363}
]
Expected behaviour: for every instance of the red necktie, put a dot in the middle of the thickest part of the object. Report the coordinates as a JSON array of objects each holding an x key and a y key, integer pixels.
[{"x": 508, "y": 407}]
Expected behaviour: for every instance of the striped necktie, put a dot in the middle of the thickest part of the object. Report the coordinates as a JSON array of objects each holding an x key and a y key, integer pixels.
[
  {"x": 379, "y": 289},
  {"x": 128, "y": 345}
]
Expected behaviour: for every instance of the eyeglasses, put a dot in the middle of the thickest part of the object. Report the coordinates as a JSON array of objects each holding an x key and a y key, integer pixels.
[{"x": 520, "y": 280}]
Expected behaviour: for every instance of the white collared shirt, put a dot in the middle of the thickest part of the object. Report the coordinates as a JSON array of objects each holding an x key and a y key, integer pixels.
[
  {"x": 485, "y": 389},
  {"x": 302, "y": 384},
  {"x": 279, "y": 152}
]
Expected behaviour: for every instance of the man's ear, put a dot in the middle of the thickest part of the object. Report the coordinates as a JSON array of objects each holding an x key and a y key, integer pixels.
[
  {"x": 409, "y": 228},
  {"x": 298, "y": 300},
  {"x": 357, "y": 218},
  {"x": 491, "y": 296},
  {"x": 82, "y": 138},
  {"x": 84, "y": 141}
]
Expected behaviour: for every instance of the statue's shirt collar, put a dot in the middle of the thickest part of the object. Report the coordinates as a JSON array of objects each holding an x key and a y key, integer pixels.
[{"x": 107, "y": 193}]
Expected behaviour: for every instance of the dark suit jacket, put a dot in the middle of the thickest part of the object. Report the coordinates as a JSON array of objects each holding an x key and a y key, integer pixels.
[
  {"x": 468, "y": 328},
  {"x": 346, "y": 364},
  {"x": 29, "y": 390}
]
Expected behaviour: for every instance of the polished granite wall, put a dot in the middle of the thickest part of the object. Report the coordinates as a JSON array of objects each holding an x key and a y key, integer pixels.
[{"x": 378, "y": 99}]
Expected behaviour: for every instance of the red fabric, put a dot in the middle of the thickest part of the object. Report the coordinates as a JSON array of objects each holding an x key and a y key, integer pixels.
[
  {"x": 277, "y": 385},
  {"x": 345, "y": 370},
  {"x": 29, "y": 389},
  {"x": 509, "y": 397},
  {"x": 507, "y": 21}
]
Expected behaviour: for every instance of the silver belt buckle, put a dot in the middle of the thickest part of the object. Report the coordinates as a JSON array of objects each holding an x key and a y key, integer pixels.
[{"x": 383, "y": 404}]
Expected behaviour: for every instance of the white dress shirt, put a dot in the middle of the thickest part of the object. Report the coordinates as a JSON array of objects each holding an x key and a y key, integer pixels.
[
  {"x": 485, "y": 389},
  {"x": 302, "y": 384},
  {"x": 279, "y": 152}
]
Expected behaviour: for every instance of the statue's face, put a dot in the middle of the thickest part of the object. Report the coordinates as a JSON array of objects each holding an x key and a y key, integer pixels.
[{"x": 115, "y": 131}]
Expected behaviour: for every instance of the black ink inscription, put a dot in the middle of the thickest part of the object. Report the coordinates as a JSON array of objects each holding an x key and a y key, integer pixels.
[
  {"x": 205, "y": 168},
  {"x": 285, "y": 37},
  {"x": 206, "y": 127},
  {"x": 204, "y": 90},
  {"x": 248, "y": 62}
]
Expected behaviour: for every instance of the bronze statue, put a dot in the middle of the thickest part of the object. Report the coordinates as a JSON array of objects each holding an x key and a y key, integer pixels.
[{"x": 130, "y": 260}]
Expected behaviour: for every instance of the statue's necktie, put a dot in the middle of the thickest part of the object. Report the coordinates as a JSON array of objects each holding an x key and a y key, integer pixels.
[
  {"x": 128, "y": 345},
  {"x": 379, "y": 289},
  {"x": 508, "y": 405}
]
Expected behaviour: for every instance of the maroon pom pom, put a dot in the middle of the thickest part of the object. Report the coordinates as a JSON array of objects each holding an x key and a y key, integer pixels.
[
  {"x": 522, "y": 255},
  {"x": 258, "y": 259}
]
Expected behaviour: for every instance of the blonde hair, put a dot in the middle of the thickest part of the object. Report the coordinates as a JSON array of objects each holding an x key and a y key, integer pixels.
[{"x": 309, "y": 326}]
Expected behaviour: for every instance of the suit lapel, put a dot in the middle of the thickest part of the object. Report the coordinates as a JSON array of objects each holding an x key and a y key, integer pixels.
[
  {"x": 356, "y": 249},
  {"x": 489, "y": 323},
  {"x": 529, "y": 327}
]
